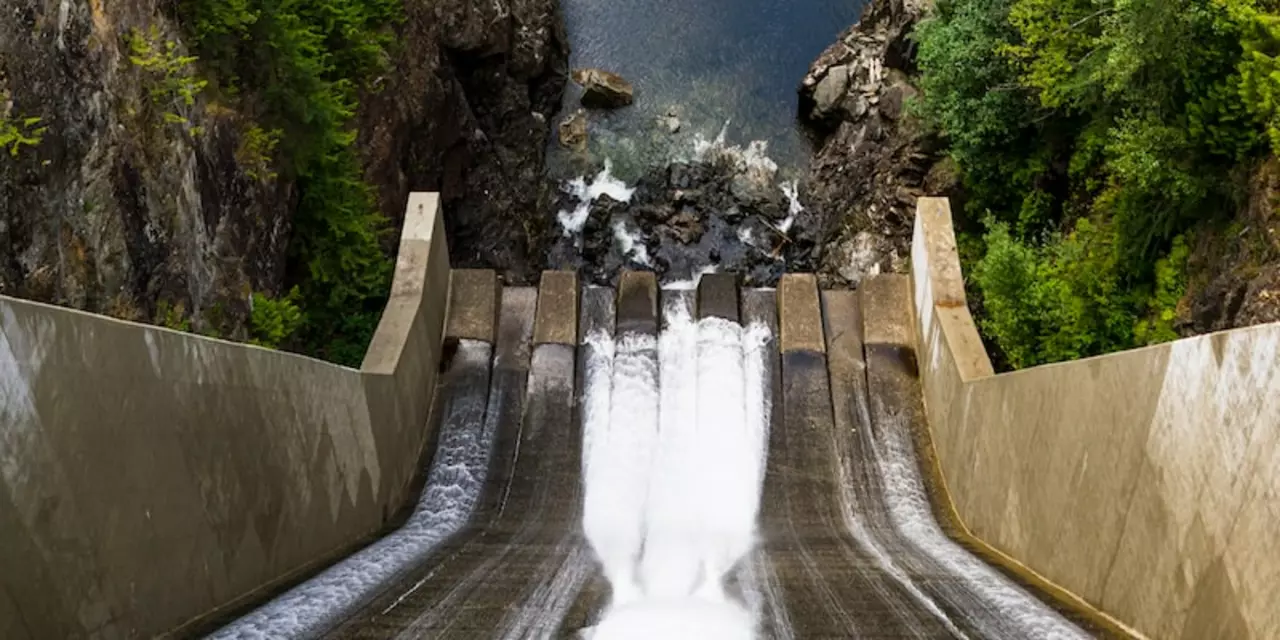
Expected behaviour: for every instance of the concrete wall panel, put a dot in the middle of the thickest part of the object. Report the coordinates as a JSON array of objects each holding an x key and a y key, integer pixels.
[
  {"x": 1144, "y": 482},
  {"x": 150, "y": 477}
]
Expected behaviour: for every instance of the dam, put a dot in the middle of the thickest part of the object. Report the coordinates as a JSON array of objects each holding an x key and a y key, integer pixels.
[{"x": 573, "y": 460}]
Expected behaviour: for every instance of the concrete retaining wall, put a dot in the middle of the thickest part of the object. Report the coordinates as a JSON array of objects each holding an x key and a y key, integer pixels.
[
  {"x": 149, "y": 478},
  {"x": 1146, "y": 482}
]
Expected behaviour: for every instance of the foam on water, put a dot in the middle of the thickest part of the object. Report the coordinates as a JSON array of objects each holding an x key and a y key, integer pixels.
[
  {"x": 631, "y": 243},
  {"x": 675, "y": 475},
  {"x": 453, "y": 486},
  {"x": 753, "y": 160},
  {"x": 571, "y": 222}
]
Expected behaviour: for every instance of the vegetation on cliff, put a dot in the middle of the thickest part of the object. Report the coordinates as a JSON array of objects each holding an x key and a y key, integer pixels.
[
  {"x": 298, "y": 68},
  {"x": 1095, "y": 138}
]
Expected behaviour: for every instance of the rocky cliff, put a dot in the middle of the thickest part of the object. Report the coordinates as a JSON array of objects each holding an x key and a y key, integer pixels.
[
  {"x": 128, "y": 202},
  {"x": 138, "y": 195},
  {"x": 873, "y": 157}
]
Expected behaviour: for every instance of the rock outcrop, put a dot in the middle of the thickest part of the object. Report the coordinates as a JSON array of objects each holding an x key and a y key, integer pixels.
[
  {"x": 504, "y": 66},
  {"x": 873, "y": 157},
  {"x": 603, "y": 89},
  {"x": 164, "y": 214}
]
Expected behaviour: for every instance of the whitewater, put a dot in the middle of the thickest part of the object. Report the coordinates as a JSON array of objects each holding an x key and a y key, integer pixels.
[{"x": 673, "y": 473}]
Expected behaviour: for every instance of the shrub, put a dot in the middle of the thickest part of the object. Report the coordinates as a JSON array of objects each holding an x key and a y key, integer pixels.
[
  {"x": 1057, "y": 302},
  {"x": 172, "y": 315},
  {"x": 19, "y": 132},
  {"x": 175, "y": 84},
  {"x": 272, "y": 321}
]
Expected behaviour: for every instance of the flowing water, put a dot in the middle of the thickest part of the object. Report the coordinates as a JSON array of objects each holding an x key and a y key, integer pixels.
[
  {"x": 708, "y": 62},
  {"x": 673, "y": 474}
]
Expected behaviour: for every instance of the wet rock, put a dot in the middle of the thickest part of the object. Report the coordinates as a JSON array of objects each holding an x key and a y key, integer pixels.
[
  {"x": 681, "y": 175},
  {"x": 734, "y": 213},
  {"x": 688, "y": 195},
  {"x": 606, "y": 207},
  {"x": 603, "y": 89},
  {"x": 573, "y": 131},
  {"x": 748, "y": 188},
  {"x": 689, "y": 215},
  {"x": 686, "y": 226},
  {"x": 653, "y": 214}
]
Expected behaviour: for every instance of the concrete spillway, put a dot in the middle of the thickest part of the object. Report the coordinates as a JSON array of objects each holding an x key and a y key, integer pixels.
[{"x": 646, "y": 463}]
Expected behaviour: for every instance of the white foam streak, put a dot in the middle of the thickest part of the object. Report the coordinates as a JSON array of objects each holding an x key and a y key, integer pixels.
[
  {"x": 754, "y": 160},
  {"x": 691, "y": 283},
  {"x": 620, "y": 450},
  {"x": 453, "y": 486},
  {"x": 794, "y": 208},
  {"x": 912, "y": 515}
]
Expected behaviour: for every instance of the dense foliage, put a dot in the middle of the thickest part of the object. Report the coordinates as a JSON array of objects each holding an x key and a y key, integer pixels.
[
  {"x": 298, "y": 67},
  {"x": 1092, "y": 135}
]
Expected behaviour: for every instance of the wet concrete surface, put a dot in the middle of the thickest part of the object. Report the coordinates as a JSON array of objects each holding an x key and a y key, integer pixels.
[
  {"x": 836, "y": 556},
  {"x": 832, "y": 586}
]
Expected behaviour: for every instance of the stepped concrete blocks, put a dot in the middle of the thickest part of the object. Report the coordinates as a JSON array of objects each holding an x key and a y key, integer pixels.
[
  {"x": 473, "y": 304},
  {"x": 886, "y": 310},
  {"x": 557, "y": 319},
  {"x": 637, "y": 303},
  {"x": 800, "y": 313},
  {"x": 718, "y": 296}
]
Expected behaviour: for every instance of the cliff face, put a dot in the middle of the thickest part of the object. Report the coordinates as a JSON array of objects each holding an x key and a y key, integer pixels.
[
  {"x": 467, "y": 113},
  {"x": 873, "y": 157},
  {"x": 137, "y": 204},
  {"x": 116, "y": 209}
]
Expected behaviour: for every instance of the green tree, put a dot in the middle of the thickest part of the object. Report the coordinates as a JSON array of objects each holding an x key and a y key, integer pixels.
[
  {"x": 305, "y": 64},
  {"x": 1092, "y": 134}
]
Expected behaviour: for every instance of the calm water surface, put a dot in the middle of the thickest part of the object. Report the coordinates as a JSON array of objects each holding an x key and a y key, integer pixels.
[{"x": 708, "y": 61}]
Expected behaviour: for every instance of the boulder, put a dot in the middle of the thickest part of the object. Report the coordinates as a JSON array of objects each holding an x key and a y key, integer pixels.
[
  {"x": 830, "y": 91},
  {"x": 573, "y": 131},
  {"x": 686, "y": 226},
  {"x": 603, "y": 89}
]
